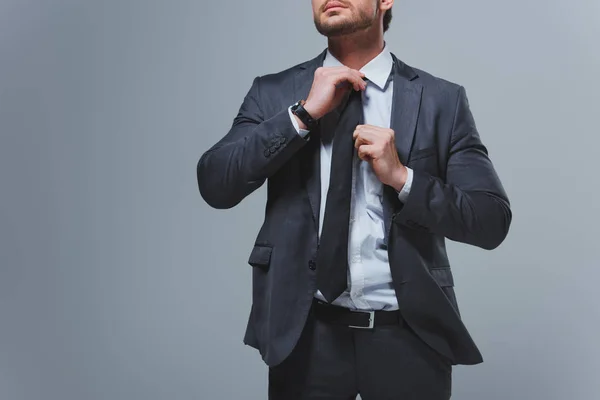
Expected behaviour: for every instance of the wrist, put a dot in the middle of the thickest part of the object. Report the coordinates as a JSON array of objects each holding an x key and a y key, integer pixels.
[
  {"x": 309, "y": 109},
  {"x": 399, "y": 178},
  {"x": 307, "y": 121},
  {"x": 301, "y": 124}
]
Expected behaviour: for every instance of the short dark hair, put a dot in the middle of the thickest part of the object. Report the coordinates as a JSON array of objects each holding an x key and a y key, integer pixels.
[{"x": 387, "y": 18}]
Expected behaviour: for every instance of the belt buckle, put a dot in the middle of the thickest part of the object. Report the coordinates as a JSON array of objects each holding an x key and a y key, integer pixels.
[{"x": 371, "y": 320}]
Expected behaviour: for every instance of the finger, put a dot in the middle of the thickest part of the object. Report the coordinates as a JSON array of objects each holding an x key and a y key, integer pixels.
[
  {"x": 368, "y": 133},
  {"x": 350, "y": 76},
  {"x": 359, "y": 138},
  {"x": 359, "y": 74},
  {"x": 360, "y": 80},
  {"x": 359, "y": 142},
  {"x": 357, "y": 81},
  {"x": 342, "y": 69},
  {"x": 358, "y": 130},
  {"x": 343, "y": 83},
  {"x": 366, "y": 152},
  {"x": 359, "y": 77}
]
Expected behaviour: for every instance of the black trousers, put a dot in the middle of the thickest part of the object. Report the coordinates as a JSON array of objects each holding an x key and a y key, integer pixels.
[{"x": 335, "y": 362}]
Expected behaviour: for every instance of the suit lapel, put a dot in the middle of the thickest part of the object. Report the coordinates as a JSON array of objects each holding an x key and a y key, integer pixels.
[
  {"x": 310, "y": 167},
  {"x": 405, "y": 111}
]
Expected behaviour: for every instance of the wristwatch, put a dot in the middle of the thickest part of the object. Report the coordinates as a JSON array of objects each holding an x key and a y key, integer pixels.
[{"x": 299, "y": 111}]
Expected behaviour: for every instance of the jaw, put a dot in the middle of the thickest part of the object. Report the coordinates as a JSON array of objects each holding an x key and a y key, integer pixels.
[{"x": 337, "y": 23}]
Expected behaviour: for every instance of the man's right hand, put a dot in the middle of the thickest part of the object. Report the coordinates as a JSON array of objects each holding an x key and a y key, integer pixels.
[{"x": 329, "y": 86}]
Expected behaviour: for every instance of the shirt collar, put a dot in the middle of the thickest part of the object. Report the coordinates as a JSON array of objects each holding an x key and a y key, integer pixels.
[{"x": 377, "y": 70}]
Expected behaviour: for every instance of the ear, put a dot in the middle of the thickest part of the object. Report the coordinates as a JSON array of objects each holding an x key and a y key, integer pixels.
[{"x": 385, "y": 5}]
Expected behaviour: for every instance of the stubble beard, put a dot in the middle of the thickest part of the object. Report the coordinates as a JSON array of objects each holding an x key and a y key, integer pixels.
[{"x": 363, "y": 21}]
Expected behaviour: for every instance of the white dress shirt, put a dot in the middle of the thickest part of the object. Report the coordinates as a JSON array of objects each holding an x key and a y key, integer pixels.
[{"x": 369, "y": 277}]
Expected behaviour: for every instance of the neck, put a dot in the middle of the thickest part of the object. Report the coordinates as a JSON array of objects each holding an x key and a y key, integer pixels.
[{"x": 357, "y": 49}]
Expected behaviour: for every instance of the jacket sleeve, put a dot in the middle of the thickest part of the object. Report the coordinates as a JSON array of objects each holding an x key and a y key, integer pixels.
[
  {"x": 252, "y": 150},
  {"x": 471, "y": 205}
]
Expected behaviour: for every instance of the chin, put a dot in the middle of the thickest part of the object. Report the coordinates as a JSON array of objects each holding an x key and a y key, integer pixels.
[
  {"x": 333, "y": 19},
  {"x": 335, "y": 26}
]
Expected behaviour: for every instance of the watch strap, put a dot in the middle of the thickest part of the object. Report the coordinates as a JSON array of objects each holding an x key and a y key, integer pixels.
[{"x": 299, "y": 111}]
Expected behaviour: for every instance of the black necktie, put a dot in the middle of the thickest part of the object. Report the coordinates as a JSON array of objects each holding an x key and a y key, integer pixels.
[{"x": 332, "y": 254}]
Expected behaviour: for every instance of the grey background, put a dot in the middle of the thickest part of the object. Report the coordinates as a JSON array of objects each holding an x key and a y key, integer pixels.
[{"x": 118, "y": 282}]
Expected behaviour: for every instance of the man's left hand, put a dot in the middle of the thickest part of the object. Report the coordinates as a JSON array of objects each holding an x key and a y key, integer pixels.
[{"x": 376, "y": 145}]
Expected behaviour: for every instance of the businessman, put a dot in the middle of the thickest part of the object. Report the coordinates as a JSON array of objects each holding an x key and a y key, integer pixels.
[{"x": 371, "y": 164}]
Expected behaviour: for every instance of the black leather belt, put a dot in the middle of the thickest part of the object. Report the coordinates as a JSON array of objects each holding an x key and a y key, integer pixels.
[{"x": 355, "y": 318}]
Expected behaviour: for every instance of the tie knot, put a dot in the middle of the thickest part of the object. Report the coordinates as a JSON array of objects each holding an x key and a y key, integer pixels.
[{"x": 354, "y": 95}]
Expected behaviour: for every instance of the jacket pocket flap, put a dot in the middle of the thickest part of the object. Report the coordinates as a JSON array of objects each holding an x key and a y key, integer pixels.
[
  {"x": 422, "y": 153},
  {"x": 443, "y": 276},
  {"x": 260, "y": 256}
]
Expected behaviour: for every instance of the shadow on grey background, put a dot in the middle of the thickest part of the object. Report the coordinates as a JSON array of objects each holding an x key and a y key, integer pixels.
[{"x": 118, "y": 282}]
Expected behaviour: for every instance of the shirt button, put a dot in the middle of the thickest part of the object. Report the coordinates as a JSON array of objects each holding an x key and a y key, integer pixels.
[{"x": 312, "y": 265}]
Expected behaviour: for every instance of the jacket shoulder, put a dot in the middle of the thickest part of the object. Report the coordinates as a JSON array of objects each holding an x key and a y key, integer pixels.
[
  {"x": 438, "y": 90},
  {"x": 288, "y": 71},
  {"x": 286, "y": 74},
  {"x": 272, "y": 90},
  {"x": 292, "y": 71},
  {"x": 435, "y": 83}
]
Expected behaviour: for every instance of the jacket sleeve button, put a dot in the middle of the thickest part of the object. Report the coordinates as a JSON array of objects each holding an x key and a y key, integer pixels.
[{"x": 312, "y": 265}]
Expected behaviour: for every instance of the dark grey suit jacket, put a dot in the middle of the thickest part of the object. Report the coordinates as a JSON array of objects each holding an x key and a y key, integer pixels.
[{"x": 455, "y": 194}]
